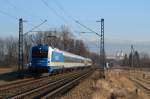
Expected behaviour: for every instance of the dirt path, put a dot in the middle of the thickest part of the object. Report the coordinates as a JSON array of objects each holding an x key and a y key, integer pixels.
[
  {"x": 6, "y": 75},
  {"x": 5, "y": 70}
]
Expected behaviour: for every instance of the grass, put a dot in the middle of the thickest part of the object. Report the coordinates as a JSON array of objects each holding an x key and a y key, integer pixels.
[
  {"x": 85, "y": 89},
  {"x": 116, "y": 84}
]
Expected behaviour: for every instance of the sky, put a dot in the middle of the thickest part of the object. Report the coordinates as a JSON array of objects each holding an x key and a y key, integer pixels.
[{"x": 126, "y": 21}]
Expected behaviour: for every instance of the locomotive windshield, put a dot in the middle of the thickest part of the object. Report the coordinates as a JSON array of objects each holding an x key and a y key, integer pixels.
[{"x": 39, "y": 53}]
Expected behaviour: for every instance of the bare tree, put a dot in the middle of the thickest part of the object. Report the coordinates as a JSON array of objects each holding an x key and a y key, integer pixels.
[
  {"x": 145, "y": 60},
  {"x": 125, "y": 60}
]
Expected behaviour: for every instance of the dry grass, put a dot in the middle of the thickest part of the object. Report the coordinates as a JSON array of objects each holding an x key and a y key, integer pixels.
[
  {"x": 84, "y": 90},
  {"x": 116, "y": 84},
  {"x": 6, "y": 75},
  {"x": 5, "y": 70}
]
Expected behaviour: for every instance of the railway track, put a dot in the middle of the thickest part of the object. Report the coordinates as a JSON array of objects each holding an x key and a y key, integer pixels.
[
  {"x": 14, "y": 88},
  {"x": 142, "y": 85},
  {"x": 15, "y": 82},
  {"x": 143, "y": 80},
  {"x": 35, "y": 87},
  {"x": 65, "y": 87}
]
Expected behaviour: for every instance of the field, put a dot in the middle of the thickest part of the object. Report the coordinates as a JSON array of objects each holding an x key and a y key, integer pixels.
[
  {"x": 5, "y": 70},
  {"x": 120, "y": 84},
  {"x": 6, "y": 75},
  {"x": 116, "y": 85}
]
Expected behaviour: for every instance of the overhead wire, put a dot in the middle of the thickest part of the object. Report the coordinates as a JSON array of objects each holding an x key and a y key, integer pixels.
[
  {"x": 53, "y": 10},
  {"x": 15, "y": 18},
  {"x": 35, "y": 27},
  {"x": 73, "y": 19},
  {"x": 57, "y": 14},
  {"x": 15, "y": 8},
  {"x": 9, "y": 15},
  {"x": 11, "y": 4},
  {"x": 88, "y": 28},
  {"x": 59, "y": 5}
]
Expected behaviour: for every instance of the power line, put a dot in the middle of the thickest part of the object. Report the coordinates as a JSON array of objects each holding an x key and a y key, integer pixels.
[
  {"x": 63, "y": 10},
  {"x": 35, "y": 27},
  {"x": 58, "y": 15},
  {"x": 11, "y": 4},
  {"x": 74, "y": 20},
  {"x": 88, "y": 28},
  {"x": 53, "y": 10},
  {"x": 13, "y": 17},
  {"x": 15, "y": 8},
  {"x": 68, "y": 15},
  {"x": 9, "y": 15}
]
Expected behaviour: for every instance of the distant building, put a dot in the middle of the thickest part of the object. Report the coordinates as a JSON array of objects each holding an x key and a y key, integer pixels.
[
  {"x": 116, "y": 59},
  {"x": 120, "y": 55}
]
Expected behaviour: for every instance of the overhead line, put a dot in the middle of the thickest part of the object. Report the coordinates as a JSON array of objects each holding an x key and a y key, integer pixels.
[
  {"x": 69, "y": 16},
  {"x": 35, "y": 27},
  {"x": 11, "y": 4},
  {"x": 87, "y": 28},
  {"x": 64, "y": 11},
  {"x": 54, "y": 11},
  {"x": 9, "y": 15},
  {"x": 74, "y": 20}
]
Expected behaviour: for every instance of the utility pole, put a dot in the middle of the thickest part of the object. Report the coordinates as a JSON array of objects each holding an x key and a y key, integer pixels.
[
  {"x": 20, "y": 54},
  {"x": 102, "y": 47},
  {"x": 102, "y": 50},
  {"x": 20, "y": 43}
]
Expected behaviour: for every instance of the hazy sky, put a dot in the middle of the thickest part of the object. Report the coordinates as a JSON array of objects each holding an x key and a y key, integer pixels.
[{"x": 124, "y": 19}]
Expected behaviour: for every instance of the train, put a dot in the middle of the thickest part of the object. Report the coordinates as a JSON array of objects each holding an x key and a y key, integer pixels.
[{"x": 46, "y": 59}]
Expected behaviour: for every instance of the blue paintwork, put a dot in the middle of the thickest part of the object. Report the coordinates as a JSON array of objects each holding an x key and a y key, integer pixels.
[
  {"x": 43, "y": 47},
  {"x": 40, "y": 59},
  {"x": 40, "y": 63}
]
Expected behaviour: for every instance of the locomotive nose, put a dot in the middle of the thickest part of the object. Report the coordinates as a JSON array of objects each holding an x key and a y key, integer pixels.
[{"x": 39, "y": 62}]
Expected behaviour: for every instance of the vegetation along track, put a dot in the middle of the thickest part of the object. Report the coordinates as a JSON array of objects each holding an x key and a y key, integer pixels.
[
  {"x": 19, "y": 87},
  {"x": 143, "y": 80},
  {"x": 65, "y": 87},
  {"x": 142, "y": 85},
  {"x": 22, "y": 88}
]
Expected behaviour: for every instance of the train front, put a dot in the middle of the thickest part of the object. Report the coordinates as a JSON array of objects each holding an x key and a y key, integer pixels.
[{"x": 39, "y": 59}]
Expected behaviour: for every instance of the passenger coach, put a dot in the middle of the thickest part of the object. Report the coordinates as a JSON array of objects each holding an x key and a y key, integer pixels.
[{"x": 44, "y": 58}]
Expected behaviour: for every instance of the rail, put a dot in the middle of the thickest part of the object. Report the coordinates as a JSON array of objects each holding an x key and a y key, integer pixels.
[{"x": 38, "y": 87}]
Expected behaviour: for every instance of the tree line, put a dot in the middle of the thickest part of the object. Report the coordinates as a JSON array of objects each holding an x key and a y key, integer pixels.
[
  {"x": 136, "y": 60},
  {"x": 61, "y": 38}
]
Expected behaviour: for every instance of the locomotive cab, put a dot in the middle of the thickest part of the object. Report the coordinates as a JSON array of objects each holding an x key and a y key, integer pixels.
[{"x": 39, "y": 58}]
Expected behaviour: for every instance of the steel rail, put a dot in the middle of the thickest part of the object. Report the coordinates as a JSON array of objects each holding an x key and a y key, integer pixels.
[
  {"x": 12, "y": 90},
  {"x": 65, "y": 87},
  {"x": 48, "y": 87},
  {"x": 146, "y": 87}
]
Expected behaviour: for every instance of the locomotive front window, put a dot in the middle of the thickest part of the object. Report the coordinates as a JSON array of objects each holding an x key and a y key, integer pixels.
[{"x": 39, "y": 54}]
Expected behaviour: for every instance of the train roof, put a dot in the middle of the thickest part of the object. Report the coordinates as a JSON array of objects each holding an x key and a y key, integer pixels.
[
  {"x": 68, "y": 53},
  {"x": 58, "y": 50}
]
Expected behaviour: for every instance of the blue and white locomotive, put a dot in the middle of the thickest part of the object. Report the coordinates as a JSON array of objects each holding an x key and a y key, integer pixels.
[{"x": 44, "y": 58}]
